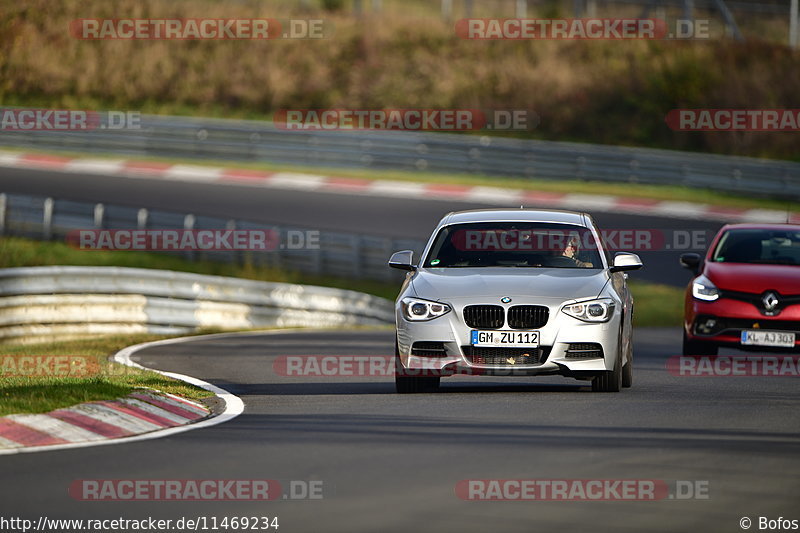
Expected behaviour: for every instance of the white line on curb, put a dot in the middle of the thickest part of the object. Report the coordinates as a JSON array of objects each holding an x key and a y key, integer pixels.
[{"x": 234, "y": 406}]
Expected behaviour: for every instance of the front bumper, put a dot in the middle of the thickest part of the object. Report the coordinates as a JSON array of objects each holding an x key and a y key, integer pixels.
[
  {"x": 730, "y": 317},
  {"x": 556, "y": 337}
]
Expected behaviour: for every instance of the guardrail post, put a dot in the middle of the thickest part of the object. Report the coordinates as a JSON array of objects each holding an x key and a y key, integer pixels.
[
  {"x": 688, "y": 9},
  {"x": 141, "y": 218},
  {"x": 278, "y": 256},
  {"x": 47, "y": 219},
  {"x": 188, "y": 224},
  {"x": 99, "y": 215},
  {"x": 447, "y": 9},
  {"x": 3, "y": 214},
  {"x": 237, "y": 257},
  {"x": 522, "y": 9}
]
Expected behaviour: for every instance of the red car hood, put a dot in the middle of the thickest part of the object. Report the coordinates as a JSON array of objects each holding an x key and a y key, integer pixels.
[{"x": 754, "y": 278}]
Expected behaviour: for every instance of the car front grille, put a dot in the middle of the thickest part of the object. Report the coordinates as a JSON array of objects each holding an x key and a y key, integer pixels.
[
  {"x": 484, "y": 316},
  {"x": 428, "y": 349},
  {"x": 584, "y": 350},
  {"x": 785, "y": 300},
  {"x": 528, "y": 316},
  {"x": 738, "y": 324},
  {"x": 505, "y": 356}
]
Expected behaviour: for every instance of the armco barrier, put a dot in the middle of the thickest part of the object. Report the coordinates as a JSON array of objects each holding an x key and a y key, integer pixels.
[
  {"x": 243, "y": 140},
  {"x": 343, "y": 255},
  {"x": 40, "y": 303}
]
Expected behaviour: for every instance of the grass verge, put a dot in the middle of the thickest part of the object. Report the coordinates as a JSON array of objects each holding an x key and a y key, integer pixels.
[
  {"x": 656, "y": 305},
  {"x": 88, "y": 376}
]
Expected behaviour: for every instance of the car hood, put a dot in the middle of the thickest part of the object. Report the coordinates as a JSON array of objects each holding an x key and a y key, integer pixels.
[
  {"x": 754, "y": 278},
  {"x": 556, "y": 283}
]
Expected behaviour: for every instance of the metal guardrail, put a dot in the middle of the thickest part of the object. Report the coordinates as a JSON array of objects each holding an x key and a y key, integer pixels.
[
  {"x": 343, "y": 255},
  {"x": 39, "y": 303},
  {"x": 434, "y": 152}
]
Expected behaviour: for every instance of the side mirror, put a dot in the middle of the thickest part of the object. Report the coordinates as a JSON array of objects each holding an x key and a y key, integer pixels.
[
  {"x": 403, "y": 260},
  {"x": 691, "y": 261},
  {"x": 625, "y": 261}
]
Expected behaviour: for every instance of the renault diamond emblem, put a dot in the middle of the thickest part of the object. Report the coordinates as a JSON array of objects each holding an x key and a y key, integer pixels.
[
  {"x": 770, "y": 301},
  {"x": 511, "y": 360},
  {"x": 505, "y": 299}
]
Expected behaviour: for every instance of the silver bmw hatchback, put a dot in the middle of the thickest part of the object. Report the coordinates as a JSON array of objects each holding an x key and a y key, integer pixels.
[{"x": 514, "y": 293}]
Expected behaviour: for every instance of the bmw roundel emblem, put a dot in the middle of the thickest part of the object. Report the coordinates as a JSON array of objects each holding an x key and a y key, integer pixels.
[{"x": 505, "y": 299}]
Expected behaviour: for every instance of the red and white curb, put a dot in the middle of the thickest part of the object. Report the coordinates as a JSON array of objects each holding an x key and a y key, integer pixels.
[
  {"x": 393, "y": 188},
  {"x": 142, "y": 415},
  {"x": 137, "y": 413}
]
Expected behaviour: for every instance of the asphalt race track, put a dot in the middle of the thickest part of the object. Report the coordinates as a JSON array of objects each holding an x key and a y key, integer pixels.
[
  {"x": 391, "y": 463},
  {"x": 382, "y": 216}
]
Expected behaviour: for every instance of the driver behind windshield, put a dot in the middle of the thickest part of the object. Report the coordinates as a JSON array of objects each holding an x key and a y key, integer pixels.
[{"x": 571, "y": 251}]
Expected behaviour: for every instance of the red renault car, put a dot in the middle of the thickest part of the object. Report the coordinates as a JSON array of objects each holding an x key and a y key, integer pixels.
[{"x": 746, "y": 291}]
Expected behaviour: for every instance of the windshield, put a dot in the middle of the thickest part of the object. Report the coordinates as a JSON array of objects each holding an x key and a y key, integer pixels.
[
  {"x": 514, "y": 244},
  {"x": 759, "y": 246}
]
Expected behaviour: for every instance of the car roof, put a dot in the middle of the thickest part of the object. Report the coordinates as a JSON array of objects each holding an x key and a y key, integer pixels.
[
  {"x": 773, "y": 226},
  {"x": 517, "y": 215}
]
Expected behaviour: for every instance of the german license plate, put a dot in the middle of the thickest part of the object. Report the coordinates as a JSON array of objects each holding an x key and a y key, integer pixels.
[
  {"x": 508, "y": 339},
  {"x": 768, "y": 338}
]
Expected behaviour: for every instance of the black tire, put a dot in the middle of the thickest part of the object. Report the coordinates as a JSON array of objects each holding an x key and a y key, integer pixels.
[
  {"x": 405, "y": 384},
  {"x": 692, "y": 347},
  {"x": 415, "y": 384},
  {"x": 610, "y": 381},
  {"x": 627, "y": 372}
]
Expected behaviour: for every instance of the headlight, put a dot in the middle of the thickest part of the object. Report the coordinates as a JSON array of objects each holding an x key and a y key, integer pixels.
[
  {"x": 415, "y": 309},
  {"x": 703, "y": 289},
  {"x": 591, "y": 310}
]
